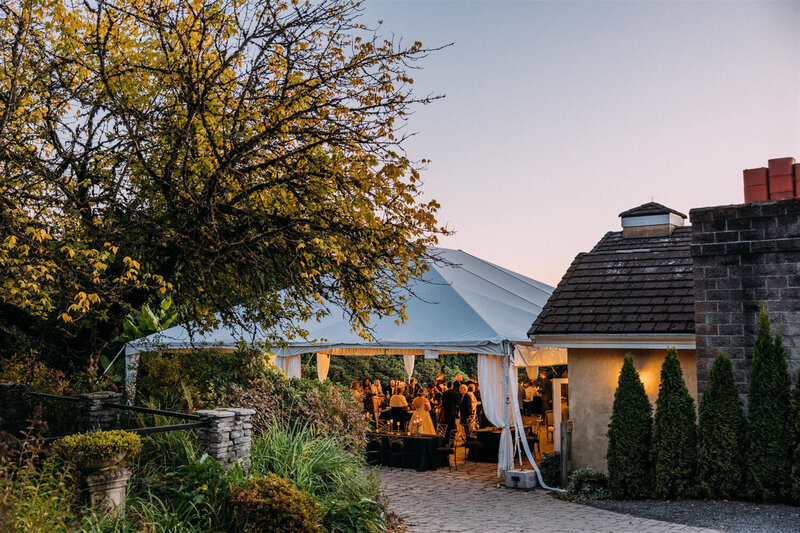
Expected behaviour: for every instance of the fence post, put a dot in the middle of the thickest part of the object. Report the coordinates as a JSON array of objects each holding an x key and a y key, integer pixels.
[
  {"x": 94, "y": 415},
  {"x": 566, "y": 451},
  {"x": 15, "y": 407},
  {"x": 226, "y": 438}
]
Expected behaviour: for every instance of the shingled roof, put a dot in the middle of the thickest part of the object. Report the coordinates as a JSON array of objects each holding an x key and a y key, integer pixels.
[
  {"x": 650, "y": 208},
  {"x": 625, "y": 286}
]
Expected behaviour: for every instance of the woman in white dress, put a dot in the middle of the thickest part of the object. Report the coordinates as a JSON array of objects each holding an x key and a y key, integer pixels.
[{"x": 422, "y": 414}]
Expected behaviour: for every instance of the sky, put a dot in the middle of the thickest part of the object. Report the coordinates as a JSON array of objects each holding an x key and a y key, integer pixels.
[{"x": 559, "y": 115}]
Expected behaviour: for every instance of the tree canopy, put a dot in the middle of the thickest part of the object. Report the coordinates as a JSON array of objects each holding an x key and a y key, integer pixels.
[{"x": 215, "y": 150}]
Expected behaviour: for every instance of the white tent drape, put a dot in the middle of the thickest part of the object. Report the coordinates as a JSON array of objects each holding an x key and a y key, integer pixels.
[
  {"x": 527, "y": 356},
  {"x": 323, "y": 365},
  {"x": 490, "y": 379},
  {"x": 289, "y": 365},
  {"x": 408, "y": 360},
  {"x": 532, "y": 371}
]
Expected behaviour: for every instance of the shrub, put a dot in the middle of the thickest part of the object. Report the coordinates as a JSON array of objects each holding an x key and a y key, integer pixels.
[
  {"x": 768, "y": 442},
  {"x": 794, "y": 492},
  {"x": 721, "y": 432},
  {"x": 328, "y": 407},
  {"x": 101, "y": 445},
  {"x": 272, "y": 503},
  {"x": 587, "y": 484},
  {"x": 629, "y": 436},
  {"x": 550, "y": 467},
  {"x": 674, "y": 433}
]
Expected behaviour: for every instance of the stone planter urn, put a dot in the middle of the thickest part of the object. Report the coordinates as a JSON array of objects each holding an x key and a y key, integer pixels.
[{"x": 100, "y": 455}]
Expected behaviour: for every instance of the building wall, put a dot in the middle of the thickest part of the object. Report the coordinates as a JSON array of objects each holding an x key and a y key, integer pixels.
[
  {"x": 593, "y": 376},
  {"x": 743, "y": 255}
]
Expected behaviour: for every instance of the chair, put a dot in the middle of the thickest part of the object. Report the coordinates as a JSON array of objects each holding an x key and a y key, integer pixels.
[
  {"x": 448, "y": 450},
  {"x": 375, "y": 451},
  {"x": 548, "y": 418},
  {"x": 397, "y": 449},
  {"x": 441, "y": 429},
  {"x": 533, "y": 433},
  {"x": 382, "y": 426},
  {"x": 471, "y": 443}
]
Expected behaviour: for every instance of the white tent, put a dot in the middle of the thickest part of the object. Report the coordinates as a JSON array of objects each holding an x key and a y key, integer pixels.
[{"x": 461, "y": 305}]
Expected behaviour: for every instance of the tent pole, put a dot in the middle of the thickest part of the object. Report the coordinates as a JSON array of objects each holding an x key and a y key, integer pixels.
[{"x": 507, "y": 401}]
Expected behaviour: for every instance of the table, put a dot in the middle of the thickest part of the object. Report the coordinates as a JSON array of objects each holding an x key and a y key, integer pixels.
[
  {"x": 490, "y": 441},
  {"x": 421, "y": 448}
]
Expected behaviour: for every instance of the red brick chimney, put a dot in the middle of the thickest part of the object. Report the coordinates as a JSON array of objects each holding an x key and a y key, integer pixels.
[{"x": 781, "y": 180}]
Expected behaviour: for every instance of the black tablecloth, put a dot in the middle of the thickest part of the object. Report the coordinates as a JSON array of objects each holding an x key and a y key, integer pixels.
[
  {"x": 490, "y": 445},
  {"x": 421, "y": 448}
]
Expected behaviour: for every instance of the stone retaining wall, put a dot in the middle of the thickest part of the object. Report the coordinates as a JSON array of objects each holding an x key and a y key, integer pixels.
[{"x": 227, "y": 436}]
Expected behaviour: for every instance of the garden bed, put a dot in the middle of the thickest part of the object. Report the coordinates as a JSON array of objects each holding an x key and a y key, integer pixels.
[{"x": 724, "y": 515}]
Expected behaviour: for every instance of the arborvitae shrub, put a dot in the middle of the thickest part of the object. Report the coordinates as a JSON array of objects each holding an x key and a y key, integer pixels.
[
  {"x": 674, "y": 433},
  {"x": 721, "y": 434},
  {"x": 768, "y": 439},
  {"x": 629, "y": 433},
  {"x": 794, "y": 493}
]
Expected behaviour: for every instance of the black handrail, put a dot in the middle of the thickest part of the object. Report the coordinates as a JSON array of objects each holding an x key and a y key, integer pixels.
[
  {"x": 138, "y": 409},
  {"x": 55, "y": 396},
  {"x": 173, "y": 427}
]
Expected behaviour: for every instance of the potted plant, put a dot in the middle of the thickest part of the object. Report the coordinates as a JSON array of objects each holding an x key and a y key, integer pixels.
[{"x": 100, "y": 450}]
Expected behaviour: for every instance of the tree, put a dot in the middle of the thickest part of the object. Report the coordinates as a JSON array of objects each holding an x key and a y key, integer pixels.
[
  {"x": 629, "y": 433},
  {"x": 674, "y": 433},
  {"x": 794, "y": 492},
  {"x": 768, "y": 440},
  {"x": 214, "y": 150},
  {"x": 721, "y": 434}
]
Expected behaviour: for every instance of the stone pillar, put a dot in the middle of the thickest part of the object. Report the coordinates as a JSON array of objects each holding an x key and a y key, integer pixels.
[
  {"x": 15, "y": 407},
  {"x": 107, "y": 489},
  {"x": 226, "y": 438},
  {"x": 94, "y": 415}
]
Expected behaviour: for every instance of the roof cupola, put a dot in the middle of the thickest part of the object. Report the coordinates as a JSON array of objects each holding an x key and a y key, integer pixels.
[{"x": 650, "y": 220}]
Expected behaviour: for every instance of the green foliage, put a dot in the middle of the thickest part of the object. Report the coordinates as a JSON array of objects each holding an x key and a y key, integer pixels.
[
  {"x": 101, "y": 445},
  {"x": 550, "y": 467},
  {"x": 384, "y": 368},
  {"x": 272, "y": 503},
  {"x": 674, "y": 433},
  {"x": 768, "y": 439},
  {"x": 586, "y": 484},
  {"x": 186, "y": 381},
  {"x": 35, "y": 495},
  {"x": 629, "y": 436},
  {"x": 720, "y": 434},
  {"x": 321, "y": 465},
  {"x": 330, "y": 408},
  {"x": 794, "y": 493}
]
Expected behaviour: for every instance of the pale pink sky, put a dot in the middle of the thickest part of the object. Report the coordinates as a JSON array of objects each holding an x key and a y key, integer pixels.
[{"x": 560, "y": 115}]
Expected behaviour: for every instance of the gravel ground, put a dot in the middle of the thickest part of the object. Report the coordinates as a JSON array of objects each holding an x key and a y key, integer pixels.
[{"x": 733, "y": 516}]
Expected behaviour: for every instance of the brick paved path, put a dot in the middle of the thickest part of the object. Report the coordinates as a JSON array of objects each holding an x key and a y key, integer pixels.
[{"x": 470, "y": 501}]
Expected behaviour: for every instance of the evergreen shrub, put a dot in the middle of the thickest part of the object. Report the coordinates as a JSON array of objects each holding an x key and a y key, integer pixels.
[
  {"x": 629, "y": 436},
  {"x": 674, "y": 433},
  {"x": 768, "y": 439},
  {"x": 587, "y": 484},
  {"x": 272, "y": 503},
  {"x": 721, "y": 434},
  {"x": 794, "y": 492},
  {"x": 550, "y": 467}
]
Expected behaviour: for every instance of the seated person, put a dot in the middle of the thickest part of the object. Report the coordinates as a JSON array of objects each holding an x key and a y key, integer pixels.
[{"x": 399, "y": 406}]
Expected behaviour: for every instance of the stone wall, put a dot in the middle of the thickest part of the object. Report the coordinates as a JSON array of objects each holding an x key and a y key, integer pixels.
[
  {"x": 15, "y": 407},
  {"x": 94, "y": 414},
  {"x": 226, "y": 438},
  {"x": 743, "y": 255}
]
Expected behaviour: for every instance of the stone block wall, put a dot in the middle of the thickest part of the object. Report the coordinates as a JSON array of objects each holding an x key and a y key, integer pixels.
[
  {"x": 226, "y": 438},
  {"x": 94, "y": 415},
  {"x": 15, "y": 407},
  {"x": 743, "y": 255}
]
